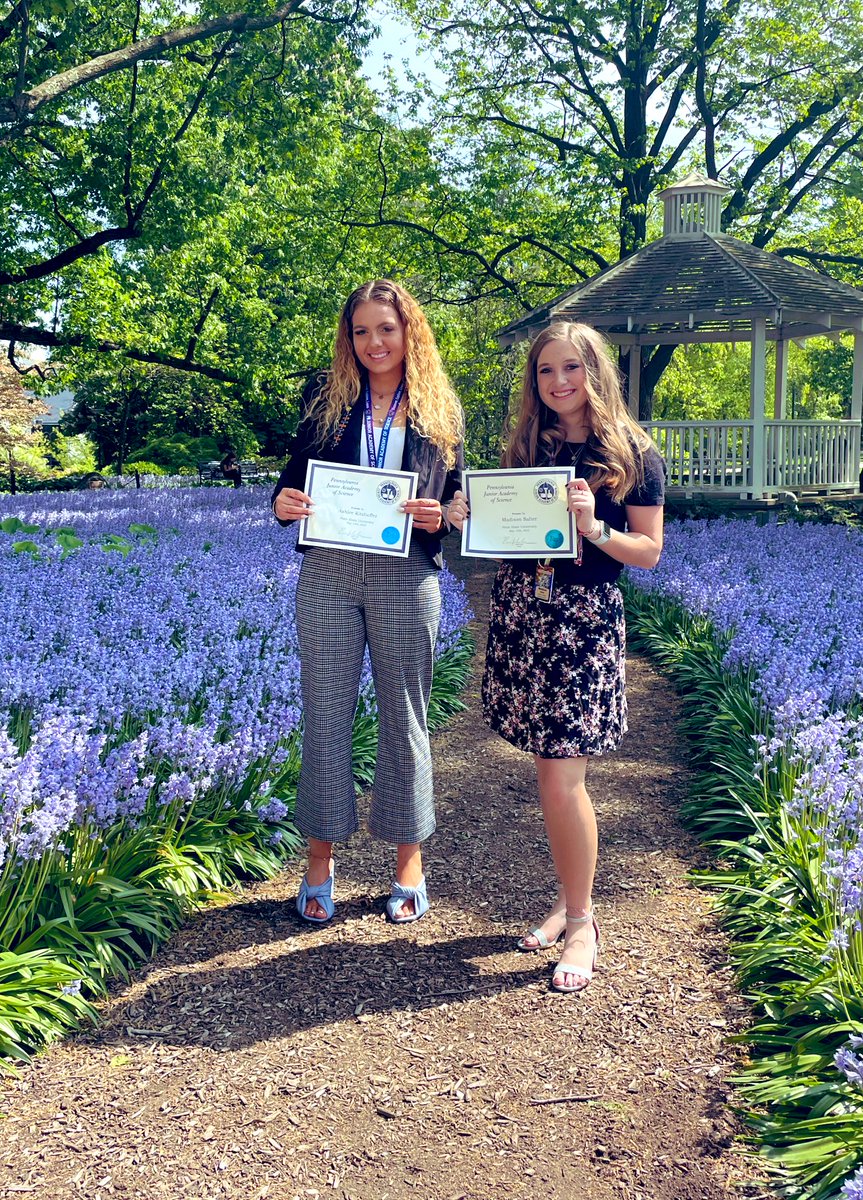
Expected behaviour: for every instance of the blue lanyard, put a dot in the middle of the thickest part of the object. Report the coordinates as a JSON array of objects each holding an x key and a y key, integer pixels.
[{"x": 378, "y": 460}]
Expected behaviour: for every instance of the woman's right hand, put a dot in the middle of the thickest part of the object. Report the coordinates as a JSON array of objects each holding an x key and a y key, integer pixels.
[
  {"x": 458, "y": 510},
  {"x": 292, "y": 505}
]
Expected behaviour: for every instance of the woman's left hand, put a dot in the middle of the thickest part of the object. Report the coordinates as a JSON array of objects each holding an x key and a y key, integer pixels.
[
  {"x": 581, "y": 501},
  {"x": 426, "y": 513}
]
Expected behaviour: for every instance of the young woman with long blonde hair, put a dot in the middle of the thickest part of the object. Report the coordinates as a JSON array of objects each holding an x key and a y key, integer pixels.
[
  {"x": 386, "y": 402},
  {"x": 555, "y": 675}
]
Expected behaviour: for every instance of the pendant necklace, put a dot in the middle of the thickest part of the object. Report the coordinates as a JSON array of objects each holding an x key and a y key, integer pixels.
[
  {"x": 575, "y": 452},
  {"x": 384, "y": 403}
]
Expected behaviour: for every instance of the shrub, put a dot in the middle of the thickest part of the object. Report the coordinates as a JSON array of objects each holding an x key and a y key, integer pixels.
[
  {"x": 176, "y": 451},
  {"x": 144, "y": 468}
]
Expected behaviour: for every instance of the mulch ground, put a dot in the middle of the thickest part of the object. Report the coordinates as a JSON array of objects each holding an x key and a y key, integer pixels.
[{"x": 259, "y": 1057}]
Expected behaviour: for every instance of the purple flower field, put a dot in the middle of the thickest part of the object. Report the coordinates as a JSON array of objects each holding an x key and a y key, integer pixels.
[
  {"x": 781, "y": 796},
  {"x": 164, "y": 656},
  {"x": 788, "y": 597},
  {"x": 791, "y": 595}
]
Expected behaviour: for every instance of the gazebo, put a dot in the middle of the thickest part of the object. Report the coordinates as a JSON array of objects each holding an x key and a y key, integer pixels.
[{"x": 695, "y": 284}]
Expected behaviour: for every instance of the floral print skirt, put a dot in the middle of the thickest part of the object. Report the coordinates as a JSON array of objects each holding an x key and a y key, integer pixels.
[{"x": 554, "y": 681}]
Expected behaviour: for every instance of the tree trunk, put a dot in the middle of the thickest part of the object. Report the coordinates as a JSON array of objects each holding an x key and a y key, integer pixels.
[{"x": 651, "y": 373}]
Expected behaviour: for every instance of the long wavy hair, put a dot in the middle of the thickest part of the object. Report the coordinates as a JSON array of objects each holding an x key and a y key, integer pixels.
[
  {"x": 615, "y": 449},
  {"x": 432, "y": 405}
]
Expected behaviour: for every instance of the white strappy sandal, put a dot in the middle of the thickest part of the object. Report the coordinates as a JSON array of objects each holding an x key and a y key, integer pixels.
[
  {"x": 541, "y": 941},
  {"x": 564, "y": 968}
]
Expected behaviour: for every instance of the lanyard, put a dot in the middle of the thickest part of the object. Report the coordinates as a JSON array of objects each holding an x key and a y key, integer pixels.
[{"x": 377, "y": 460}]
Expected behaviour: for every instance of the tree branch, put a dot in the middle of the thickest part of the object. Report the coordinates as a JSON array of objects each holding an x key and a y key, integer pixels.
[
  {"x": 562, "y": 145},
  {"x": 12, "y": 20},
  {"x": 42, "y": 372},
  {"x": 603, "y": 49},
  {"x": 88, "y": 245},
  {"x": 450, "y": 247},
  {"x": 775, "y": 212},
  {"x": 43, "y": 337},
  {"x": 159, "y": 172},
  {"x": 133, "y": 100},
  {"x": 587, "y": 251},
  {"x": 132, "y": 229},
  {"x": 680, "y": 149},
  {"x": 19, "y": 107},
  {"x": 23, "y": 51},
  {"x": 61, "y": 218},
  {"x": 820, "y": 256},
  {"x": 818, "y": 108},
  {"x": 200, "y": 323},
  {"x": 610, "y": 120}
]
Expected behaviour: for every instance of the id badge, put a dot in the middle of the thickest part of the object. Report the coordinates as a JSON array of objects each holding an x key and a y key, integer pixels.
[{"x": 543, "y": 582}]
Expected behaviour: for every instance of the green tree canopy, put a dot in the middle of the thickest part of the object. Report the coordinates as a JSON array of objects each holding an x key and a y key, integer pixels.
[
  {"x": 591, "y": 107},
  {"x": 132, "y": 179}
]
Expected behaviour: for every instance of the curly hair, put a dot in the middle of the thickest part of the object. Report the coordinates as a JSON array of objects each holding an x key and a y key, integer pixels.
[
  {"x": 535, "y": 435},
  {"x": 432, "y": 405}
]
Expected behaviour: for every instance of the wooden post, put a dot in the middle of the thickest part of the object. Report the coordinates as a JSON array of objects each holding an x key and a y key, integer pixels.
[
  {"x": 634, "y": 388},
  {"x": 757, "y": 372},
  {"x": 780, "y": 406},
  {"x": 857, "y": 377}
]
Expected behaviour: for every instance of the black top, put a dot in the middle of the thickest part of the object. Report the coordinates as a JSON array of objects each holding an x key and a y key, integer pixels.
[
  {"x": 596, "y": 565},
  {"x": 434, "y": 480}
]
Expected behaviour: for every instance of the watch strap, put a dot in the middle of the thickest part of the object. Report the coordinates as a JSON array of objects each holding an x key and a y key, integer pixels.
[{"x": 604, "y": 534}]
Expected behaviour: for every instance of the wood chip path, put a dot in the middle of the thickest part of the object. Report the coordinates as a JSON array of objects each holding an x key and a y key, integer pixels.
[{"x": 256, "y": 1057}]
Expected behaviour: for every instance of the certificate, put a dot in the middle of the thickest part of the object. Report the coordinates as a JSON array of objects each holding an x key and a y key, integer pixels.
[
  {"x": 519, "y": 513},
  {"x": 358, "y": 508}
]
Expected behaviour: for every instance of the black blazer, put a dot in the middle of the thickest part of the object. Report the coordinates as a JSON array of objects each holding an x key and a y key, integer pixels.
[{"x": 434, "y": 480}]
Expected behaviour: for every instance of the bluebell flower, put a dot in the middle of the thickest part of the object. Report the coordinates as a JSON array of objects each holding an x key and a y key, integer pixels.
[
  {"x": 168, "y": 677},
  {"x": 787, "y": 598},
  {"x": 852, "y": 1189}
]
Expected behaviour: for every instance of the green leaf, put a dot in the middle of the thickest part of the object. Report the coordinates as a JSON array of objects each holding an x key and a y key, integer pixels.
[
  {"x": 68, "y": 541},
  {"x": 115, "y": 542}
]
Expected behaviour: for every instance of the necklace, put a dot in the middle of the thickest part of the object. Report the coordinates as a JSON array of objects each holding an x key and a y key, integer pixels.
[{"x": 385, "y": 399}]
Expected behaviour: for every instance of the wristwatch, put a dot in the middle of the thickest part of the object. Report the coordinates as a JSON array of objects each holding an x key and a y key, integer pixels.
[{"x": 604, "y": 534}]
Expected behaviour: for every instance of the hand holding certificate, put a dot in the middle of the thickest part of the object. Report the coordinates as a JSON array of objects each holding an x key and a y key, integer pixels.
[
  {"x": 519, "y": 514},
  {"x": 358, "y": 508}
]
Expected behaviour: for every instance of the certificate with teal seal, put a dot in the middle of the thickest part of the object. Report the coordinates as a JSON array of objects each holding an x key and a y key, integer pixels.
[
  {"x": 358, "y": 508},
  {"x": 519, "y": 514}
]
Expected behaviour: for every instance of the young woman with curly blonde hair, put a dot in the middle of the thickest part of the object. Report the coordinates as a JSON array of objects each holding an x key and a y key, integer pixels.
[
  {"x": 385, "y": 402},
  {"x": 555, "y": 675}
]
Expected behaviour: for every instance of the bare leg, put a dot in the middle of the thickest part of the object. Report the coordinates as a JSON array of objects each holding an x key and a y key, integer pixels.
[
  {"x": 320, "y": 865},
  {"x": 409, "y": 870},
  {"x": 570, "y": 823}
]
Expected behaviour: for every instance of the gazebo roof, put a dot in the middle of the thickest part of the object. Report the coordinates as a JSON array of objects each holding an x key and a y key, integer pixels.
[{"x": 698, "y": 287}]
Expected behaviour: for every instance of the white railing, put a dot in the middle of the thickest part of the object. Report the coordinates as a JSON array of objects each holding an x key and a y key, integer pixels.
[
  {"x": 705, "y": 455},
  {"x": 811, "y": 454},
  {"x": 716, "y": 456}
]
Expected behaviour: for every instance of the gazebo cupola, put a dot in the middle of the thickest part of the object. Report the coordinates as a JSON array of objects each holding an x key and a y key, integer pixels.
[
  {"x": 697, "y": 284},
  {"x": 694, "y": 205}
]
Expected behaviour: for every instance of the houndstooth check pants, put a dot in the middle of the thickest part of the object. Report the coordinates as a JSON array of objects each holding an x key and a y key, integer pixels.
[{"x": 345, "y": 601}]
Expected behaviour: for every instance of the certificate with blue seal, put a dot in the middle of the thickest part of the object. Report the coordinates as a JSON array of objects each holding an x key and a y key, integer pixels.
[
  {"x": 519, "y": 514},
  {"x": 358, "y": 508}
]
